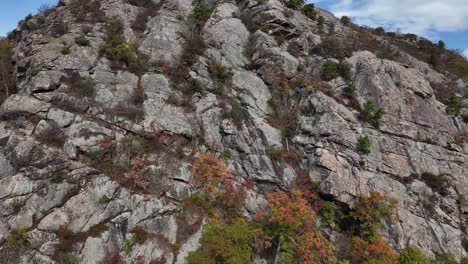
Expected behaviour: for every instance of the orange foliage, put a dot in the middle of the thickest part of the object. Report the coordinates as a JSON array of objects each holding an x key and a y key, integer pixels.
[
  {"x": 290, "y": 221},
  {"x": 378, "y": 249},
  {"x": 209, "y": 172}
]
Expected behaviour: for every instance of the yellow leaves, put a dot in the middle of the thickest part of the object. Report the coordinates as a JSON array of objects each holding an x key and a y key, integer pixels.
[{"x": 209, "y": 169}]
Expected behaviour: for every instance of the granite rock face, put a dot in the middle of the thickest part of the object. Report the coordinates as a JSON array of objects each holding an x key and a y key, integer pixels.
[{"x": 70, "y": 147}]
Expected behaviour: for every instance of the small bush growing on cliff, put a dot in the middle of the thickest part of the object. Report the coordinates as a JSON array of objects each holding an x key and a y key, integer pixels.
[
  {"x": 201, "y": 12},
  {"x": 82, "y": 41},
  {"x": 371, "y": 114},
  {"x": 364, "y": 145},
  {"x": 18, "y": 238},
  {"x": 87, "y": 10},
  {"x": 413, "y": 255},
  {"x": 350, "y": 90},
  {"x": 329, "y": 70},
  {"x": 295, "y": 4},
  {"x": 453, "y": 104},
  {"x": 309, "y": 11},
  {"x": 369, "y": 212},
  {"x": 445, "y": 258},
  {"x": 458, "y": 66}
]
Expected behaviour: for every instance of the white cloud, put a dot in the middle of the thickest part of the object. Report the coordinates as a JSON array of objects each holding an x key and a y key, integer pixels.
[
  {"x": 422, "y": 17},
  {"x": 465, "y": 53}
]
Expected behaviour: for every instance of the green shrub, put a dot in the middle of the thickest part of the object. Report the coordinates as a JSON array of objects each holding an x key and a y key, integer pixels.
[
  {"x": 309, "y": 11},
  {"x": 295, "y": 4},
  {"x": 445, "y": 258},
  {"x": 65, "y": 50},
  {"x": 225, "y": 243},
  {"x": 329, "y": 70},
  {"x": 350, "y": 90},
  {"x": 345, "y": 20},
  {"x": 105, "y": 200},
  {"x": 237, "y": 114},
  {"x": 82, "y": 41},
  {"x": 369, "y": 212},
  {"x": 265, "y": 28},
  {"x": 320, "y": 22},
  {"x": 413, "y": 255},
  {"x": 67, "y": 258},
  {"x": 294, "y": 49},
  {"x": 328, "y": 214},
  {"x": 458, "y": 66},
  {"x": 139, "y": 237},
  {"x": 218, "y": 71},
  {"x": 364, "y": 145},
  {"x": 18, "y": 238},
  {"x": 226, "y": 154},
  {"x": 371, "y": 114},
  {"x": 201, "y": 12},
  {"x": 453, "y": 105}
]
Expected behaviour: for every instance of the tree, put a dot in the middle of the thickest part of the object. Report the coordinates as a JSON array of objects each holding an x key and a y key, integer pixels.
[
  {"x": 289, "y": 224},
  {"x": 345, "y": 20},
  {"x": 364, "y": 145},
  {"x": 441, "y": 44}
]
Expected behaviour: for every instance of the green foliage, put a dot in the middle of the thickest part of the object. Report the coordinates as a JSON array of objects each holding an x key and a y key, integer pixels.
[
  {"x": 413, "y": 255},
  {"x": 345, "y": 20},
  {"x": 265, "y": 28},
  {"x": 458, "y": 66},
  {"x": 34, "y": 72},
  {"x": 117, "y": 49},
  {"x": 201, "y": 12},
  {"x": 329, "y": 70},
  {"x": 328, "y": 214},
  {"x": 445, "y": 258},
  {"x": 105, "y": 200},
  {"x": 237, "y": 114},
  {"x": 294, "y": 49},
  {"x": 226, "y": 154},
  {"x": 218, "y": 71},
  {"x": 82, "y": 40},
  {"x": 371, "y": 114},
  {"x": 321, "y": 21},
  {"x": 65, "y": 50},
  {"x": 67, "y": 258},
  {"x": 369, "y": 212},
  {"x": 364, "y": 145},
  {"x": 441, "y": 44},
  {"x": 228, "y": 243},
  {"x": 295, "y": 4},
  {"x": 453, "y": 105},
  {"x": 18, "y": 238},
  {"x": 309, "y": 11},
  {"x": 7, "y": 77},
  {"x": 139, "y": 237},
  {"x": 350, "y": 90}
]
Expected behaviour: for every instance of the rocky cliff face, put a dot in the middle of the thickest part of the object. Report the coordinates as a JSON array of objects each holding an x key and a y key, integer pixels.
[{"x": 100, "y": 142}]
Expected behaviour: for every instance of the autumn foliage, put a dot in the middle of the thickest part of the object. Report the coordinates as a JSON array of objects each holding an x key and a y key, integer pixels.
[
  {"x": 209, "y": 172},
  {"x": 289, "y": 224},
  {"x": 377, "y": 251}
]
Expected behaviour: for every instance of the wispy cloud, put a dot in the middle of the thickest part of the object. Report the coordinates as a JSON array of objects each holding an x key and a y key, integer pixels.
[{"x": 422, "y": 17}]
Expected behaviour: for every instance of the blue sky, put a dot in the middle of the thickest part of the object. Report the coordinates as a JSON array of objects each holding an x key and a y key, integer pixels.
[{"x": 434, "y": 19}]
